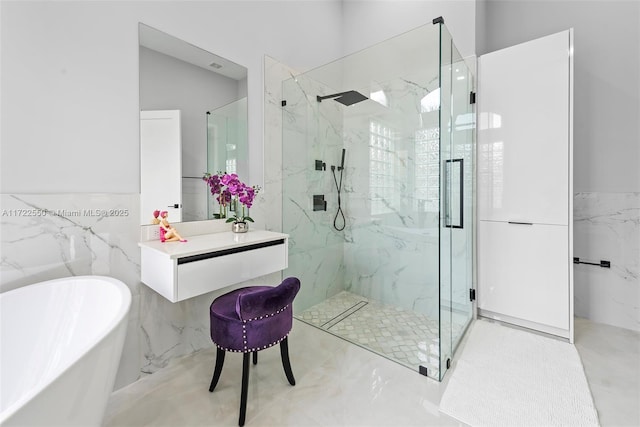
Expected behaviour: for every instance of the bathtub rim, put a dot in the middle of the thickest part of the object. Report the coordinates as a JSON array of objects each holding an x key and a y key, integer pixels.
[{"x": 111, "y": 327}]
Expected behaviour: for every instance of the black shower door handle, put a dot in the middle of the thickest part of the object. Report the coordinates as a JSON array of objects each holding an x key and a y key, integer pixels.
[{"x": 453, "y": 203}]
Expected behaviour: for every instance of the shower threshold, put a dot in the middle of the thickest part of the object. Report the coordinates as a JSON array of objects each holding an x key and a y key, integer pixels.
[{"x": 401, "y": 335}]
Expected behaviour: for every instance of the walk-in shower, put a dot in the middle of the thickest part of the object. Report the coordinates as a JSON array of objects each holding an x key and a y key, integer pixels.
[{"x": 395, "y": 275}]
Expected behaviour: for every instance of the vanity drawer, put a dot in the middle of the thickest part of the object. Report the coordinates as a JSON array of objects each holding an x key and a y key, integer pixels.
[
  {"x": 208, "y": 262},
  {"x": 208, "y": 272}
]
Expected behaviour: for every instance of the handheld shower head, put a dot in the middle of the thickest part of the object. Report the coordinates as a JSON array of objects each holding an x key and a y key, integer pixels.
[{"x": 339, "y": 189}]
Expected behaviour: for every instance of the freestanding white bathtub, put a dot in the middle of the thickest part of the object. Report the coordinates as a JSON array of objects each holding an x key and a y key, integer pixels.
[{"x": 60, "y": 347}]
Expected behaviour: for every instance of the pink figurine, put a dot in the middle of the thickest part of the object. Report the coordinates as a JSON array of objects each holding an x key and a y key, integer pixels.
[{"x": 167, "y": 232}]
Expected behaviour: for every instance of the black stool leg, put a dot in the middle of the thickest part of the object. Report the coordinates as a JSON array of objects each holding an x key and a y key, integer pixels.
[
  {"x": 245, "y": 387},
  {"x": 255, "y": 357},
  {"x": 218, "y": 369},
  {"x": 284, "y": 352}
]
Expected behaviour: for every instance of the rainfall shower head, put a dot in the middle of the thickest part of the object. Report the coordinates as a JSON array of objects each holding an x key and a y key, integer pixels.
[{"x": 346, "y": 98}]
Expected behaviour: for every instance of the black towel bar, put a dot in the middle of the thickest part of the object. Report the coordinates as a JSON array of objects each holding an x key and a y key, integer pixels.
[{"x": 602, "y": 263}]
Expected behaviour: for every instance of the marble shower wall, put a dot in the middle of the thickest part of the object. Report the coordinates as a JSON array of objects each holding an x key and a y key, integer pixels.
[
  {"x": 267, "y": 210},
  {"x": 313, "y": 131},
  {"x": 391, "y": 255},
  {"x": 607, "y": 227}
]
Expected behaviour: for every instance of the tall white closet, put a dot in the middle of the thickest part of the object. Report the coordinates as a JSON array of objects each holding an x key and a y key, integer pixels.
[{"x": 525, "y": 185}]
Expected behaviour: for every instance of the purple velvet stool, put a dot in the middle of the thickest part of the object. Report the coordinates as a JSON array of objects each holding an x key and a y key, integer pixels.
[{"x": 251, "y": 319}]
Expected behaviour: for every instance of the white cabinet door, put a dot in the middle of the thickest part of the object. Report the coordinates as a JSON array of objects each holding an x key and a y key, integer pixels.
[
  {"x": 523, "y": 132},
  {"x": 524, "y": 272}
]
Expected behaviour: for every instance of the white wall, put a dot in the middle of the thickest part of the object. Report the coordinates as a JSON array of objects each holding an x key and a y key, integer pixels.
[
  {"x": 481, "y": 22},
  {"x": 70, "y": 79},
  {"x": 366, "y": 22}
]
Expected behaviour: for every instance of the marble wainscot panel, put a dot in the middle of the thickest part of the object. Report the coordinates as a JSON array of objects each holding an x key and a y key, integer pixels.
[
  {"x": 607, "y": 227},
  {"x": 58, "y": 235},
  {"x": 170, "y": 330},
  {"x": 49, "y": 236}
]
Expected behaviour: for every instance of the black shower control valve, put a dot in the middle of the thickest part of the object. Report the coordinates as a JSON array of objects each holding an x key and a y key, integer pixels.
[
  {"x": 319, "y": 204},
  {"x": 320, "y": 165}
]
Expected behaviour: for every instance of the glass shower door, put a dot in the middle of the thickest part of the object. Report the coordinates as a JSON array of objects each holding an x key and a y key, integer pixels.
[{"x": 456, "y": 201}]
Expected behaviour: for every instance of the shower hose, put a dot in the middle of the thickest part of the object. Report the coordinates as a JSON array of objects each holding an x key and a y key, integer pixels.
[{"x": 339, "y": 189}]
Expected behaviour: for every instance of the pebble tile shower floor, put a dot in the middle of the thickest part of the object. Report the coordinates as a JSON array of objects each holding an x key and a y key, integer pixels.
[{"x": 401, "y": 335}]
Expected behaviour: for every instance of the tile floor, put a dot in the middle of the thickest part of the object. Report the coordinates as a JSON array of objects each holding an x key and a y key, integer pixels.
[
  {"x": 341, "y": 384},
  {"x": 611, "y": 360},
  {"x": 401, "y": 335}
]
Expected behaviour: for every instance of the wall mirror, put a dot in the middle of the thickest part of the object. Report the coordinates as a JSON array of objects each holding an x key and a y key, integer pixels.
[{"x": 193, "y": 119}]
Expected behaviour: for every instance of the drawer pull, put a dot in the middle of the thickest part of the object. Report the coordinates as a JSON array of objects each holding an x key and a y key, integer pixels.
[
  {"x": 520, "y": 223},
  {"x": 208, "y": 255}
]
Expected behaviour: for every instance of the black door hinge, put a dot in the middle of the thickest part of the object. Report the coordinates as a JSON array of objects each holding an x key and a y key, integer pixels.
[
  {"x": 472, "y": 294},
  {"x": 472, "y": 97}
]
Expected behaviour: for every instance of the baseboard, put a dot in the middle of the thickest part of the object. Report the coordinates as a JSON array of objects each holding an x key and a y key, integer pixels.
[{"x": 527, "y": 324}]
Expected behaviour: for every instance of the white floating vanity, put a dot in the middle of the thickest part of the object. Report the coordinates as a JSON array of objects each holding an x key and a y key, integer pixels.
[{"x": 181, "y": 270}]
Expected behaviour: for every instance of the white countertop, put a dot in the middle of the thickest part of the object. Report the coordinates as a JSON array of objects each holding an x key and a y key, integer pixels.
[{"x": 213, "y": 242}]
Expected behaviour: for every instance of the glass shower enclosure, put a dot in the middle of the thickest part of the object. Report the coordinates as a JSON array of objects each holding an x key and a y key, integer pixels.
[{"x": 378, "y": 151}]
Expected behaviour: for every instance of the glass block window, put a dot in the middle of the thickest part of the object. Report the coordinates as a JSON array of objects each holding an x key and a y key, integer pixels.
[
  {"x": 427, "y": 169},
  {"x": 231, "y": 165},
  {"x": 381, "y": 168}
]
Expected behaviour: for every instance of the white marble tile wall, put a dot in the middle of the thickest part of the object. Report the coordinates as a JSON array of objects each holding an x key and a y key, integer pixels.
[
  {"x": 394, "y": 265},
  {"x": 267, "y": 210},
  {"x": 312, "y": 131},
  {"x": 390, "y": 257},
  {"x": 48, "y": 236},
  {"x": 607, "y": 227},
  {"x": 57, "y": 235}
]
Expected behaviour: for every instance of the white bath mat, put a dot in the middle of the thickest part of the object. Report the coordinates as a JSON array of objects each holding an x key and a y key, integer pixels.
[{"x": 509, "y": 377}]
